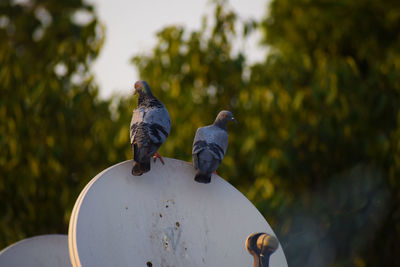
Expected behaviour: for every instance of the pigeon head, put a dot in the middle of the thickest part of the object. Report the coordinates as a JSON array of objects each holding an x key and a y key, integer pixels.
[
  {"x": 141, "y": 87},
  {"x": 223, "y": 118}
]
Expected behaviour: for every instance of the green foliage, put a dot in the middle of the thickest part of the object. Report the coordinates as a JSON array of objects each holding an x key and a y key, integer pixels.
[
  {"x": 54, "y": 132},
  {"x": 317, "y": 145},
  {"x": 341, "y": 79}
]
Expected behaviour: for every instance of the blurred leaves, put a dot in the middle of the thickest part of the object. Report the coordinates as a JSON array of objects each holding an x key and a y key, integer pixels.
[
  {"x": 317, "y": 145},
  {"x": 54, "y": 131}
]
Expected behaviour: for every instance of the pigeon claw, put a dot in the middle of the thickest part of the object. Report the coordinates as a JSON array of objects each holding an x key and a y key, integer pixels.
[{"x": 158, "y": 156}]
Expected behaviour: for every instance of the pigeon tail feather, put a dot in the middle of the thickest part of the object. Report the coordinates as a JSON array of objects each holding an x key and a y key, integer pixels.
[
  {"x": 140, "y": 167},
  {"x": 202, "y": 178}
]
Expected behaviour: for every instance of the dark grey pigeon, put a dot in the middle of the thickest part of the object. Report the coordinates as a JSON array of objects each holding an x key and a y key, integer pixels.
[
  {"x": 209, "y": 147},
  {"x": 150, "y": 126}
]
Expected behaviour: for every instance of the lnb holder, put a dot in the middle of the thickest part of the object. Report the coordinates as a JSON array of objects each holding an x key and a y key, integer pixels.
[{"x": 261, "y": 246}]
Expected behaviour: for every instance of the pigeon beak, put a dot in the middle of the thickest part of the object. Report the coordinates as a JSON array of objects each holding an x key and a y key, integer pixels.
[
  {"x": 134, "y": 91},
  {"x": 234, "y": 120}
]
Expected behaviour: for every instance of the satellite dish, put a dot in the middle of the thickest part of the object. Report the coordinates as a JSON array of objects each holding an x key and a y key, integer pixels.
[
  {"x": 163, "y": 218},
  {"x": 38, "y": 251}
]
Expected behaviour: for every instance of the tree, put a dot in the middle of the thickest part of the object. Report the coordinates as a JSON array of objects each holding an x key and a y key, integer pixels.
[
  {"x": 317, "y": 146},
  {"x": 54, "y": 131},
  {"x": 340, "y": 78}
]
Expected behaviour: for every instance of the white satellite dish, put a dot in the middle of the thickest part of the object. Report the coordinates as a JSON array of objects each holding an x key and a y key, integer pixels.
[
  {"x": 163, "y": 218},
  {"x": 38, "y": 251}
]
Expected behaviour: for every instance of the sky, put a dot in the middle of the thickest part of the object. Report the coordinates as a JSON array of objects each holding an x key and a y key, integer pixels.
[{"x": 131, "y": 27}]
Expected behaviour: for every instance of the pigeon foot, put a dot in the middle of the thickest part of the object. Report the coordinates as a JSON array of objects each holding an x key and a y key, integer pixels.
[{"x": 158, "y": 156}]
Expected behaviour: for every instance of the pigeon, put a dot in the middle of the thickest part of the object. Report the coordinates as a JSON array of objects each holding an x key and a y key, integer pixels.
[
  {"x": 150, "y": 126},
  {"x": 209, "y": 147}
]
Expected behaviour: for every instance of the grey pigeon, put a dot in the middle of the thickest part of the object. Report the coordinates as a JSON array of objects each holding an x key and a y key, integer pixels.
[
  {"x": 150, "y": 126},
  {"x": 209, "y": 147}
]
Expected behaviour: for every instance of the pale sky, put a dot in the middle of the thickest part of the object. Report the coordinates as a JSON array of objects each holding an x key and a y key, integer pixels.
[{"x": 131, "y": 26}]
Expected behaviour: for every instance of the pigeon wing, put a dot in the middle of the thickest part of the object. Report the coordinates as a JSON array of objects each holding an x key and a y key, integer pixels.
[
  {"x": 212, "y": 138},
  {"x": 154, "y": 123}
]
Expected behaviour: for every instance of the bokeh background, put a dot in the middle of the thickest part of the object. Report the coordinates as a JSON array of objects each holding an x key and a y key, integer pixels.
[{"x": 317, "y": 147}]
